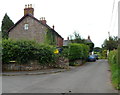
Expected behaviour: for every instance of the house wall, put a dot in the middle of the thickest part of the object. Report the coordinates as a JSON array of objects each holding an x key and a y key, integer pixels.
[
  {"x": 36, "y": 30},
  {"x": 59, "y": 41}
]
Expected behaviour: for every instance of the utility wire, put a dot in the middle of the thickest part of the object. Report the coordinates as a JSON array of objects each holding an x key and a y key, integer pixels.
[
  {"x": 112, "y": 13},
  {"x": 115, "y": 19}
]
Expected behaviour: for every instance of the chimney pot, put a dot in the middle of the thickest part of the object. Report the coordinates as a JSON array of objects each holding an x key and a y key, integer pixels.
[
  {"x": 30, "y": 5},
  {"x": 67, "y": 38},
  {"x": 44, "y": 18},
  {"x": 53, "y": 27},
  {"x": 28, "y": 9},
  {"x": 89, "y": 37},
  {"x": 25, "y": 6}
]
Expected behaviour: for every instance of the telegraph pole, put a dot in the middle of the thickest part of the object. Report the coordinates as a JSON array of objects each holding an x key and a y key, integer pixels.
[{"x": 108, "y": 35}]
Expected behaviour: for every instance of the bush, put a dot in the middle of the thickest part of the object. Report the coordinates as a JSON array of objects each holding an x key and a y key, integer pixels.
[
  {"x": 78, "y": 51},
  {"x": 9, "y": 51},
  {"x": 23, "y": 51},
  {"x": 85, "y": 52},
  {"x": 104, "y": 54},
  {"x": 65, "y": 53},
  {"x": 113, "y": 59},
  {"x": 72, "y": 64}
]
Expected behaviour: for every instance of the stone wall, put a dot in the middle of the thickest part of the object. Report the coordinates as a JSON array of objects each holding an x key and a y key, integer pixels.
[
  {"x": 79, "y": 62},
  {"x": 62, "y": 62},
  {"x": 36, "y": 31},
  {"x": 34, "y": 65}
]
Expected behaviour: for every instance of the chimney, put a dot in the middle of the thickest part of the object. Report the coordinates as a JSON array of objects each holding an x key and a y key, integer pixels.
[
  {"x": 68, "y": 38},
  {"x": 89, "y": 38},
  {"x": 28, "y": 9},
  {"x": 53, "y": 27},
  {"x": 42, "y": 19}
]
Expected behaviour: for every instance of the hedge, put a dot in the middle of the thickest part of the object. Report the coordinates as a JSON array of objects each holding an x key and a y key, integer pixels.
[
  {"x": 23, "y": 51},
  {"x": 78, "y": 51},
  {"x": 114, "y": 61}
]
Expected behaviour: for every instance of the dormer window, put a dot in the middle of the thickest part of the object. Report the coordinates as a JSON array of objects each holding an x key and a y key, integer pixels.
[{"x": 26, "y": 26}]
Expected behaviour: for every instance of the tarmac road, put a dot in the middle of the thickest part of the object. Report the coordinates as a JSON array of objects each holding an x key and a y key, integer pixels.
[{"x": 93, "y": 77}]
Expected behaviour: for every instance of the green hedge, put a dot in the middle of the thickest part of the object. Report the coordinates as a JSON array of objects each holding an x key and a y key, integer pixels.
[
  {"x": 78, "y": 51},
  {"x": 23, "y": 51},
  {"x": 114, "y": 61}
]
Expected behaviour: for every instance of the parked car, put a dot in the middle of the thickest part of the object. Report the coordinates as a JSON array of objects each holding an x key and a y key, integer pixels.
[
  {"x": 96, "y": 56},
  {"x": 91, "y": 58}
]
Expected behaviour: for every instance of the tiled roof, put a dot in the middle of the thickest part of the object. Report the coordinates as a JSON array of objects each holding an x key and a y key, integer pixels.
[{"x": 88, "y": 41}]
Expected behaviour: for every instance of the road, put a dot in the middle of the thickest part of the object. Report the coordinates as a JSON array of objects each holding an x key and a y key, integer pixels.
[{"x": 93, "y": 77}]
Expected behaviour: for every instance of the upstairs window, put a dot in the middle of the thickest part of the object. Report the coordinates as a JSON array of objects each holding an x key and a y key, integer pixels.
[{"x": 26, "y": 26}]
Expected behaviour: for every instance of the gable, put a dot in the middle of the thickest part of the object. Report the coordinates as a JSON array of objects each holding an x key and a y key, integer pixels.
[
  {"x": 36, "y": 31},
  {"x": 22, "y": 19}
]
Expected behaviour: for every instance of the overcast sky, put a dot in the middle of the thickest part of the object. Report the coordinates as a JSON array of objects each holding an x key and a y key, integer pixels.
[{"x": 88, "y": 17}]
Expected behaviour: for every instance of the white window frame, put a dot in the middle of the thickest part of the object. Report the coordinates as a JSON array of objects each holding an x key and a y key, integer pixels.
[{"x": 26, "y": 26}]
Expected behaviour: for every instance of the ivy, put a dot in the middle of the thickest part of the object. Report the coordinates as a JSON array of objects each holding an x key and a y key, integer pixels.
[{"x": 50, "y": 37}]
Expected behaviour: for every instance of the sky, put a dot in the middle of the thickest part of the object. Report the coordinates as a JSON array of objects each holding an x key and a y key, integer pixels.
[{"x": 87, "y": 17}]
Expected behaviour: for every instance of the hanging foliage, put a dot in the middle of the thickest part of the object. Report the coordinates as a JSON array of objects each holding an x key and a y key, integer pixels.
[{"x": 50, "y": 37}]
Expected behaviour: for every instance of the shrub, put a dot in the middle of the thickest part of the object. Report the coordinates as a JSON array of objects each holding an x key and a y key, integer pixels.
[
  {"x": 104, "y": 54},
  {"x": 9, "y": 51},
  {"x": 78, "y": 51},
  {"x": 23, "y": 51},
  {"x": 113, "y": 59},
  {"x": 65, "y": 53},
  {"x": 72, "y": 64},
  {"x": 46, "y": 54},
  {"x": 85, "y": 51}
]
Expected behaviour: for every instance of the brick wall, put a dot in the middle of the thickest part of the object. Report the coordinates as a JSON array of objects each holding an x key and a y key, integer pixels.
[{"x": 59, "y": 41}]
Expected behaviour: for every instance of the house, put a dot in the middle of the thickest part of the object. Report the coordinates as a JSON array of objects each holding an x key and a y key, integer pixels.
[
  {"x": 90, "y": 44},
  {"x": 88, "y": 40},
  {"x": 30, "y": 28},
  {"x": 67, "y": 42}
]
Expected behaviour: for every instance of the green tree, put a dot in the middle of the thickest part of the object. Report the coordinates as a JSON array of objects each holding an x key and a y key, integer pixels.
[
  {"x": 6, "y": 24},
  {"x": 111, "y": 43},
  {"x": 77, "y": 38}
]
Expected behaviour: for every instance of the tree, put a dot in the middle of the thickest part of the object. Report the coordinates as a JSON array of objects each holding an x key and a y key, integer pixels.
[
  {"x": 6, "y": 24},
  {"x": 111, "y": 43},
  {"x": 77, "y": 38}
]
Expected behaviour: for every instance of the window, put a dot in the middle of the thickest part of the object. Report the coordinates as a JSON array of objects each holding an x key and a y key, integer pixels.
[{"x": 26, "y": 26}]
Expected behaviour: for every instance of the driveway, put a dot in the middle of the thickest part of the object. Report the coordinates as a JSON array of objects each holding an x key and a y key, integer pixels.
[{"x": 93, "y": 77}]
